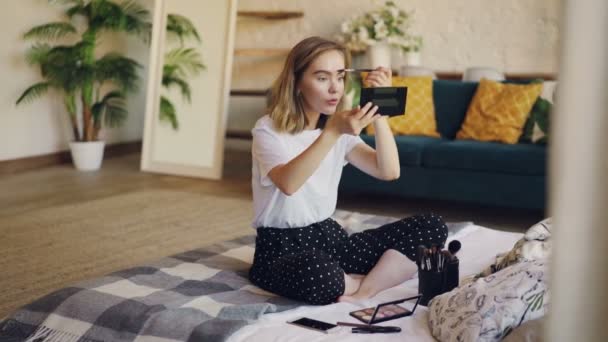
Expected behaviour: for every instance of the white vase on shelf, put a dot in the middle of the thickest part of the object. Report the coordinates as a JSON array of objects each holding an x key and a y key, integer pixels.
[
  {"x": 379, "y": 54},
  {"x": 397, "y": 58},
  {"x": 411, "y": 58}
]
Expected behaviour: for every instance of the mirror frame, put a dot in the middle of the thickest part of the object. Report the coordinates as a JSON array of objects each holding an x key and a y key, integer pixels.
[{"x": 153, "y": 92}]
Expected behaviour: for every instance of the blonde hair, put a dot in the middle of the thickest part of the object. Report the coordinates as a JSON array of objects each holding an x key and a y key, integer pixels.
[{"x": 286, "y": 109}]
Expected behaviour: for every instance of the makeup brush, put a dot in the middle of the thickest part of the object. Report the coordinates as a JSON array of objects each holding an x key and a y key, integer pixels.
[{"x": 454, "y": 246}]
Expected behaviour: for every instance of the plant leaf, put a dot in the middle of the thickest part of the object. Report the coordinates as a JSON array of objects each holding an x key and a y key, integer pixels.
[
  {"x": 542, "y": 119},
  {"x": 180, "y": 83},
  {"x": 50, "y": 31},
  {"x": 120, "y": 70},
  {"x": 167, "y": 112},
  {"x": 528, "y": 130},
  {"x": 111, "y": 109},
  {"x": 183, "y": 62},
  {"x": 137, "y": 19},
  {"x": 181, "y": 28},
  {"x": 116, "y": 112},
  {"x": 38, "y": 54},
  {"x": 77, "y": 9},
  {"x": 34, "y": 92}
]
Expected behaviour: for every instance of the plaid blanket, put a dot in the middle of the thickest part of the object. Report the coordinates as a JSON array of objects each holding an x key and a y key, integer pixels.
[{"x": 199, "y": 295}]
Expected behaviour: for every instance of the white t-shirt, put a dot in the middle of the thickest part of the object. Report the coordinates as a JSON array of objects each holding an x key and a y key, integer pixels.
[{"x": 316, "y": 199}]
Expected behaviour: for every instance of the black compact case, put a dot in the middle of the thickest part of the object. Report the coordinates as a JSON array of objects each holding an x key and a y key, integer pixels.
[{"x": 390, "y": 100}]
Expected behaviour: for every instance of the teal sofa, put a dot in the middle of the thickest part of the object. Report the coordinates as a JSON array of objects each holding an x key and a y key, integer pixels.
[{"x": 485, "y": 173}]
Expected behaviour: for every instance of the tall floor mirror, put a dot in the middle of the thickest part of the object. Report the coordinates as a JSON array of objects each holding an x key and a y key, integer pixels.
[{"x": 189, "y": 83}]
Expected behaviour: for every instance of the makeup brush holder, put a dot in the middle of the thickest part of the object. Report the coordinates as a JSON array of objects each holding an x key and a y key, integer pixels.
[{"x": 433, "y": 283}]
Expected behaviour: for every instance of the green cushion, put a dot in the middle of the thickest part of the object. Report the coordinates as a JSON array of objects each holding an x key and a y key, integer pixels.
[
  {"x": 524, "y": 159},
  {"x": 410, "y": 147},
  {"x": 451, "y": 99}
]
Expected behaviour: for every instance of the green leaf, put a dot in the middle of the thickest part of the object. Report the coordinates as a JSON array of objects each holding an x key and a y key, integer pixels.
[
  {"x": 34, "y": 92},
  {"x": 181, "y": 28},
  {"x": 183, "y": 62},
  {"x": 542, "y": 119},
  {"x": 50, "y": 31},
  {"x": 120, "y": 70},
  {"x": 38, "y": 54},
  {"x": 116, "y": 112},
  {"x": 64, "y": 67},
  {"x": 132, "y": 8},
  {"x": 111, "y": 109},
  {"x": 528, "y": 130},
  {"x": 78, "y": 9},
  {"x": 542, "y": 105},
  {"x": 184, "y": 87},
  {"x": 137, "y": 20},
  {"x": 129, "y": 17},
  {"x": 167, "y": 112}
]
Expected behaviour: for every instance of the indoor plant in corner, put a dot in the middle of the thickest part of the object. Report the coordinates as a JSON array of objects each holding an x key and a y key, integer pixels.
[{"x": 94, "y": 88}]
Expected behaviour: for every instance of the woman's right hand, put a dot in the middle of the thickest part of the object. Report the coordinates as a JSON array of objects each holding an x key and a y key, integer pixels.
[{"x": 352, "y": 121}]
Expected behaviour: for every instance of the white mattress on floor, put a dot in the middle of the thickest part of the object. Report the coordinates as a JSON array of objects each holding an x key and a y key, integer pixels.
[{"x": 479, "y": 248}]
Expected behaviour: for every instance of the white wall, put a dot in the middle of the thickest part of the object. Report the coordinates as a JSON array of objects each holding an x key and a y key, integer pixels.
[
  {"x": 516, "y": 36},
  {"x": 41, "y": 127},
  {"x": 513, "y": 35}
]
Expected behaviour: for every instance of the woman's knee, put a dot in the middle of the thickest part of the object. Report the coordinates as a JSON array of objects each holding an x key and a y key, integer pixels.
[{"x": 429, "y": 221}]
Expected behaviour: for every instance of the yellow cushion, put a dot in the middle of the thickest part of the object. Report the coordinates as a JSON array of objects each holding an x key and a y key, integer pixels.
[
  {"x": 419, "y": 117},
  {"x": 499, "y": 111}
]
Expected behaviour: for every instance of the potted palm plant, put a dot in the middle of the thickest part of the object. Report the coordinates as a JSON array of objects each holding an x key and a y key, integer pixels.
[{"x": 94, "y": 88}]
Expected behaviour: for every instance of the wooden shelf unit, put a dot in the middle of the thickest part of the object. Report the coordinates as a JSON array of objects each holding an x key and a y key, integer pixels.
[
  {"x": 248, "y": 92},
  {"x": 272, "y": 15}
]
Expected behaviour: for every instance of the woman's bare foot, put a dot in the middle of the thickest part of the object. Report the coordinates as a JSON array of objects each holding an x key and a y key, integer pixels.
[
  {"x": 355, "y": 297},
  {"x": 353, "y": 291}
]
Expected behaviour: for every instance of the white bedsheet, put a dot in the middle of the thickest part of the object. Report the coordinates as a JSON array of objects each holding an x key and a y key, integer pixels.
[{"x": 479, "y": 248}]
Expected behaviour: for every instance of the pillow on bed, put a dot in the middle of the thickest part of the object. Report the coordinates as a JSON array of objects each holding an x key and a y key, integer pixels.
[
  {"x": 531, "y": 331},
  {"x": 535, "y": 245},
  {"x": 489, "y": 308}
]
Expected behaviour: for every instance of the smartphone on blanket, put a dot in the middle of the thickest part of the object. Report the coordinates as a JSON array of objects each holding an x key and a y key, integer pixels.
[{"x": 313, "y": 324}]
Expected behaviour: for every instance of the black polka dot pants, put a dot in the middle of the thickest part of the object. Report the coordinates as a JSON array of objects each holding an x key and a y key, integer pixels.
[{"x": 308, "y": 264}]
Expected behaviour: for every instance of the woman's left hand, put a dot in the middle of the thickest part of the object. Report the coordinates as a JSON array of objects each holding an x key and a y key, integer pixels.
[{"x": 380, "y": 77}]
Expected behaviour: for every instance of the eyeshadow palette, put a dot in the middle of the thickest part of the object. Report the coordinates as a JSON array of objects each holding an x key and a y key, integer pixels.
[{"x": 385, "y": 311}]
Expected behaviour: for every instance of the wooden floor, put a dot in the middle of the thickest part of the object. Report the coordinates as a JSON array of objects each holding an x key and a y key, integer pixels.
[{"x": 58, "y": 187}]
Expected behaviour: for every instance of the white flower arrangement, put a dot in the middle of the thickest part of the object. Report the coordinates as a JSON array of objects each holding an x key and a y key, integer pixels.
[{"x": 388, "y": 23}]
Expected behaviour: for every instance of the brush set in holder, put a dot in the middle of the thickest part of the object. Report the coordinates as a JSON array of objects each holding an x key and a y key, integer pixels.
[{"x": 437, "y": 270}]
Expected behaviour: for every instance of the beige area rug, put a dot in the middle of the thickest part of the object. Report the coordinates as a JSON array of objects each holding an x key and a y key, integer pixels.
[{"x": 45, "y": 250}]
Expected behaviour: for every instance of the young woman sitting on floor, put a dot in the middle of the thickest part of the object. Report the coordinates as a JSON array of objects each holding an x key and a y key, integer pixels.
[{"x": 301, "y": 253}]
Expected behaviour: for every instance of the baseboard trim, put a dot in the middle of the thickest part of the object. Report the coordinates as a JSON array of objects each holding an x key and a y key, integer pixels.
[{"x": 13, "y": 166}]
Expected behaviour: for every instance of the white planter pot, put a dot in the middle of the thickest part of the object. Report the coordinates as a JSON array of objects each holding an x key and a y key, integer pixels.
[
  {"x": 411, "y": 58},
  {"x": 379, "y": 54},
  {"x": 87, "y": 155}
]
